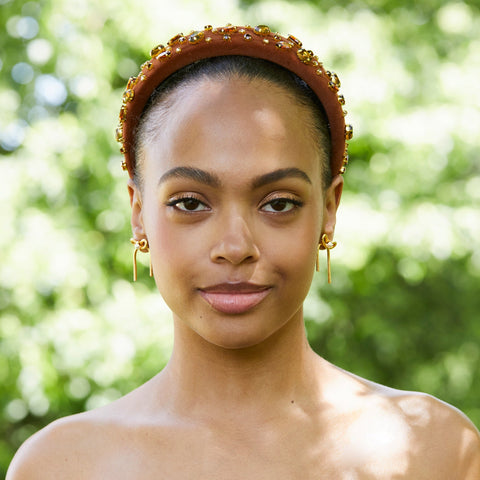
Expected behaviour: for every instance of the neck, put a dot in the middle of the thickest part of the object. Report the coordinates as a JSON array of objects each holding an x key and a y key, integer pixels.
[{"x": 202, "y": 378}]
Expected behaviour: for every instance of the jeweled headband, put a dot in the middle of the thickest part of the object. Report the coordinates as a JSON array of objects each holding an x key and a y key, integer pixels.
[{"x": 258, "y": 42}]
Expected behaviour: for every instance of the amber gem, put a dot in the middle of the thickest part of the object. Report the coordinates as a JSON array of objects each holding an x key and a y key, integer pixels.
[
  {"x": 148, "y": 65},
  {"x": 332, "y": 86},
  {"x": 262, "y": 30},
  {"x": 348, "y": 132},
  {"x": 119, "y": 134},
  {"x": 196, "y": 37},
  {"x": 123, "y": 113},
  {"x": 305, "y": 56},
  {"x": 176, "y": 39},
  {"x": 132, "y": 82},
  {"x": 295, "y": 40},
  {"x": 157, "y": 50},
  {"x": 334, "y": 79},
  {"x": 229, "y": 29},
  {"x": 165, "y": 54},
  {"x": 128, "y": 95}
]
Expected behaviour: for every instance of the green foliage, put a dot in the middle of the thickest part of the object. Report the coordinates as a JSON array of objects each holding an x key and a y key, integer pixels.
[{"x": 403, "y": 308}]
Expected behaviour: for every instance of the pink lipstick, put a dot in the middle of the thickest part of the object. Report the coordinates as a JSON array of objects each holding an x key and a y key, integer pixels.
[{"x": 234, "y": 298}]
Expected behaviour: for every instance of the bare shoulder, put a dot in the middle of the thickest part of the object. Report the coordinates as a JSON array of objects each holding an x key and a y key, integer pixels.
[
  {"x": 442, "y": 433},
  {"x": 93, "y": 445},
  {"x": 59, "y": 450},
  {"x": 402, "y": 433}
]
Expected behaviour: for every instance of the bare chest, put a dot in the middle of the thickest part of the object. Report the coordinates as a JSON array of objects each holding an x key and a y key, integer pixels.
[{"x": 235, "y": 454}]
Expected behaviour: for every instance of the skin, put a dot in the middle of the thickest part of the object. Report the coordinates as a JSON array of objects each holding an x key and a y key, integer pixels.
[{"x": 243, "y": 395}]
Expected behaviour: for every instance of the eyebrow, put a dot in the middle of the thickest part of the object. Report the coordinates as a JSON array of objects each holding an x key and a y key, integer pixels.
[
  {"x": 191, "y": 173},
  {"x": 280, "y": 174},
  {"x": 212, "y": 180}
]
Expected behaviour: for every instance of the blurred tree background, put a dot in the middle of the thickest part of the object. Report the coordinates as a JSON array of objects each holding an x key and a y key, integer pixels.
[{"x": 404, "y": 306}]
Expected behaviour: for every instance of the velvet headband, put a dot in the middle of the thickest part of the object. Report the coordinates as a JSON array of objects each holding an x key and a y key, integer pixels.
[{"x": 258, "y": 42}]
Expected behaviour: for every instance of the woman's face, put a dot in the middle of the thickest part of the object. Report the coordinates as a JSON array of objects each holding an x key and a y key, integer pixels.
[{"x": 233, "y": 209}]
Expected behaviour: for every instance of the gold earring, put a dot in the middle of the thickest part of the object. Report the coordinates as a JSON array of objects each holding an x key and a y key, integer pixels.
[
  {"x": 143, "y": 246},
  {"x": 326, "y": 244}
]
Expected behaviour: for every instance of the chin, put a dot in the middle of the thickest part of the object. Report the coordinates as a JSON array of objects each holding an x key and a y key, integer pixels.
[
  {"x": 241, "y": 333},
  {"x": 238, "y": 344}
]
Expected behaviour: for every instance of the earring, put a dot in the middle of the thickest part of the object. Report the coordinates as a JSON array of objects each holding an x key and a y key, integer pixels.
[
  {"x": 143, "y": 246},
  {"x": 326, "y": 244}
]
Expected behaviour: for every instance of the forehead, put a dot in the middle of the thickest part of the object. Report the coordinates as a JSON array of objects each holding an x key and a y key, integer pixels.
[{"x": 233, "y": 125}]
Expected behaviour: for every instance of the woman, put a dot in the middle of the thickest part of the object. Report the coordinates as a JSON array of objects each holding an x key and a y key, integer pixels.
[{"x": 235, "y": 144}]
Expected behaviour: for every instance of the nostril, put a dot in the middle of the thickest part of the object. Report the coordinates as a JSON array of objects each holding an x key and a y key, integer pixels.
[
  {"x": 234, "y": 252},
  {"x": 235, "y": 242}
]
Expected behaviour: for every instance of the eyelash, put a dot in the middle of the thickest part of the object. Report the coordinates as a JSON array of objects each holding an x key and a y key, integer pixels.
[
  {"x": 296, "y": 204},
  {"x": 174, "y": 202},
  {"x": 184, "y": 198}
]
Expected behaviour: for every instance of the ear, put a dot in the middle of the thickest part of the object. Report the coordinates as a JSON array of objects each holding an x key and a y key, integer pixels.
[
  {"x": 332, "y": 201},
  {"x": 136, "y": 220}
]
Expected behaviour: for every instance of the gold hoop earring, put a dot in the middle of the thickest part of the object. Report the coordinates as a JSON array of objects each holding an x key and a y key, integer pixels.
[
  {"x": 325, "y": 244},
  {"x": 143, "y": 246}
]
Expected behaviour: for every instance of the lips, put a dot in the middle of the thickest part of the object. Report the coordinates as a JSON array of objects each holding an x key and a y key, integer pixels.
[{"x": 234, "y": 298}]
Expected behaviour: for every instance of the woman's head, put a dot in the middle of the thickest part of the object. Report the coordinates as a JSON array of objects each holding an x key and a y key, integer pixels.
[
  {"x": 232, "y": 198},
  {"x": 224, "y": 69},
  {"x": 234, "y": 166}
]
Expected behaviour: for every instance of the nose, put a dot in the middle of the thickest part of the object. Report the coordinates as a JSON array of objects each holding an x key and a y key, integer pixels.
[{"x": 235, "y": 244}]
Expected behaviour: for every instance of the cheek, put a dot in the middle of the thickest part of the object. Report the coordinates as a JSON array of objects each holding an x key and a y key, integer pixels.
[
  {"x": 180, "y": 260},
  {"x": 293, "y": 252},
  {"x": 169, "y": 250}
]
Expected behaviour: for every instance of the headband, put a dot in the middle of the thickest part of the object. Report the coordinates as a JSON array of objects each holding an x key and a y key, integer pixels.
[{"x": 258, "y": 42}]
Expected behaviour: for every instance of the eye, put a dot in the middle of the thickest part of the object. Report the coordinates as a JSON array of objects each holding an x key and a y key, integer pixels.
[
  {"x": 281, "y": 205},
  {"x": 188, "y": 204}
]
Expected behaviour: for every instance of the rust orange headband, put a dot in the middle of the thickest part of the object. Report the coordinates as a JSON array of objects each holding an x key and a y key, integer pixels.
[{"x": 259, "y": 42}]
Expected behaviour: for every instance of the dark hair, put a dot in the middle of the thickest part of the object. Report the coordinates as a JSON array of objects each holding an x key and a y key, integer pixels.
[{"x": 244, "y": 67}]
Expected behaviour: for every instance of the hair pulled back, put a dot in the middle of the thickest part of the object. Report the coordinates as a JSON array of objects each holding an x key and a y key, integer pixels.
[{"x": 225, "y": 68}]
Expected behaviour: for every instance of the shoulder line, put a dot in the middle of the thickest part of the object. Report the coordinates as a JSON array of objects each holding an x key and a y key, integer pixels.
[
  {"x": 451, "y": 437},
  {"x": 442, "y": 435},
  {"x": 54, "y": 451}
]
